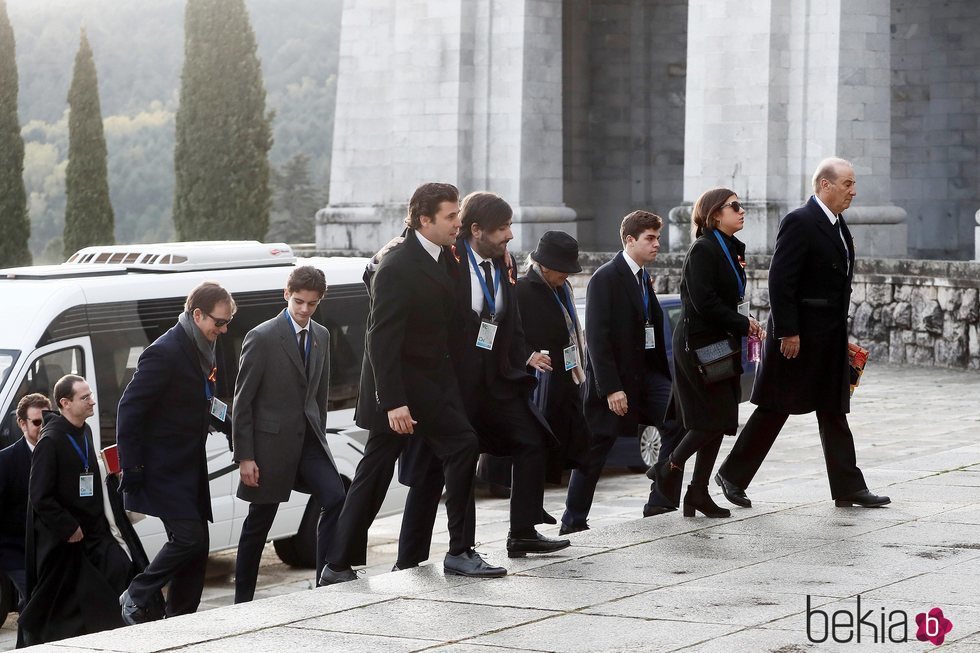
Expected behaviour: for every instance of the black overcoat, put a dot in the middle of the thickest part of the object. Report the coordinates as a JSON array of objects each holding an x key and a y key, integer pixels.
[
  {"x": 617, "y": 359},
  {"x": 809, "y": 293},
  {"x": 15, "y": 471},
  {"x": 162, "y": 424},
  {"x": 709, "y": 313},
  {"x": 545, "y": 328}
]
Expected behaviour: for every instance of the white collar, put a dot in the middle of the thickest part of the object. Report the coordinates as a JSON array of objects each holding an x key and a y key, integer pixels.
[
  {"x": 830, "y": 215},
  {"x": 429, "y": 246},
  {"x": 296, "y": 327},
  {"x": 634, "y": 268},
  {"x": 29, "y": 445}
]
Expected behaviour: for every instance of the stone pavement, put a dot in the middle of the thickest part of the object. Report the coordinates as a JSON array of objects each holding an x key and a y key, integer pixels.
[{"x": 668, "y": 583}]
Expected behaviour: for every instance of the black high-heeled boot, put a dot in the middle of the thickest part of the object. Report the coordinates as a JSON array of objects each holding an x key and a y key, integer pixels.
[
  {"x": 697, "y": 498},
  {"x": 666, "y": 475}
]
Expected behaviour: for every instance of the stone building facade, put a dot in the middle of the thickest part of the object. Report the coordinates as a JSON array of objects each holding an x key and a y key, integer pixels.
[{"x": 577, "y": 111}]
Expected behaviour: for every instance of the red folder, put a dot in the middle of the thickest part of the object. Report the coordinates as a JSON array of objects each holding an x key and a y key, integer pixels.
[{"x": 111, "y": 457}]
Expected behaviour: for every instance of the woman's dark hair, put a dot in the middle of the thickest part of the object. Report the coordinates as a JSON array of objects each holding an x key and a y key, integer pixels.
[
  {"x": 706, "y": 207},
  {"x": 487, "y": 210},
  {"x": 426, "y": 200}
]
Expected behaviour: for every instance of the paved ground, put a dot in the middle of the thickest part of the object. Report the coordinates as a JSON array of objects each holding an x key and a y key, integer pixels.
[{"x": 668, "y": 583}]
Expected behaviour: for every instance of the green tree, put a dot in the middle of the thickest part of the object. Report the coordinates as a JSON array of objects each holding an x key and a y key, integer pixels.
[
  {"x": 88, "y": 212},
  {"x": 295, "y": 202},
  {"x": 224, "y": 135},
  {"x": 15, "y": 224}
]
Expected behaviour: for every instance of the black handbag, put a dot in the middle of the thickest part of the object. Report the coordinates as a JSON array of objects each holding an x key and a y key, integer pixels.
[{"x": 718, "y": 361}]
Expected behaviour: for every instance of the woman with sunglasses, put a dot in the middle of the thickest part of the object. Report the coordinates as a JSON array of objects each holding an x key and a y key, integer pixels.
[{"x": 714, "y": 310}]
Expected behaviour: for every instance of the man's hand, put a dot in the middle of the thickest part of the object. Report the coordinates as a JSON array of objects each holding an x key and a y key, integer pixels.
[
  {"x": 384, "y": 250},
  {"x": 617, "y": 402},
  {"x": 400, "y": 420},
  {"x": 540, "y": 362},
  {"x": 790, "y": 346},
  {"x": 249, "y": 472},
  {"x": 76, "y": 536}
]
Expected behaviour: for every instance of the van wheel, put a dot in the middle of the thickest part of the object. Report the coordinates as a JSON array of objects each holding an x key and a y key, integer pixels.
[
  {"x": 300, "y": 549},
  {"x": 8, "y": 597}
]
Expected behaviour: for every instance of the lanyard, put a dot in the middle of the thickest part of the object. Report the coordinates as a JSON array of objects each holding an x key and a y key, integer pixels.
[
  {"x": 728, "y": 255},
  {"x": 309, "y": 340},
  {"x": 211, "y": 384},
  {"x": 567, "y": 305},
  {"x": 491, "y": 303},
  {"x": 78, "y": 450},
  {"x": 645, "y": 294}
]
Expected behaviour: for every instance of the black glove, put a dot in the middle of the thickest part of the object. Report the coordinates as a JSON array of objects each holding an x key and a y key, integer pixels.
[{"x": 132, "y": 480}]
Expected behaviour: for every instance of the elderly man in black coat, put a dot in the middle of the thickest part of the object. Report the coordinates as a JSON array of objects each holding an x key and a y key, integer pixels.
[
  {"x": 162, "y": 429},
  {"x": 804, "y": 361}
]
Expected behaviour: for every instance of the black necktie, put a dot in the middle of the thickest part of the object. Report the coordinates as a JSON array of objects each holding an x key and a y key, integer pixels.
[
  {"x": 488, "y": 276},
  {"x": 302, "y": 345}
]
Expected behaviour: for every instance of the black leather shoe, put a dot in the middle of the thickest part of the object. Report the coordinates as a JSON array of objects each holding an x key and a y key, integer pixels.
[
  {"x": 733, "y": 493},
  {"x": 469, "y": 563},
  {"x": 133, "y": 614},
  {"x": 653, "y": 511},
  {"x": 567, "y": 529},
  {"x": 518, "y": 547},
  {"x": 863, "y": 499},
  {"x": 330, "y": 577},
  {"x": 546, "y": 518}
]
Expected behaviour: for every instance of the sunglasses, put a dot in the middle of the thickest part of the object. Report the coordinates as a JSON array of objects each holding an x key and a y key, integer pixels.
[
  {"x": 35, "y": 422},
  {"x": 219, "y": 322},
  {"x": 736, "y": 206}
]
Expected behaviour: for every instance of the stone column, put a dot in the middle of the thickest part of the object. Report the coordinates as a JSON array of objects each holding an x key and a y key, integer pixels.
[
  {"x": 976, "y": 237},
  {"x": 462, "y": 91},
  {"x": 773, "y": 87}
]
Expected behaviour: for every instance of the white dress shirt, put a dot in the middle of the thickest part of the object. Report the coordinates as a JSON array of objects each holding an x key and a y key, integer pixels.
[
  {"x": 429, "y": 246},
  {"x": 634, "y": 266},
  {"x": 476, "y": 290},
  {"x": 833, "y": 220}
]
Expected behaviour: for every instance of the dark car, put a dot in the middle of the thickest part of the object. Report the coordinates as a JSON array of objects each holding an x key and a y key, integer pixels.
[{"x": 641, "y": 452}]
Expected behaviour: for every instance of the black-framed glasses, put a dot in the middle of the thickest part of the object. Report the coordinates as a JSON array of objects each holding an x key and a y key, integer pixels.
[
  {"x": 736, "y": 206},
  {"x": 219, "y": 322}
]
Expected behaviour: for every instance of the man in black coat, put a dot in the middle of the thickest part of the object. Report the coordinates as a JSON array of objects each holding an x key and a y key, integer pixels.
[
  {"x": 162, "y": 429},
  {"x": 627, "y": 376},
  {"x": 491, "y": 358},
  {"x": 76, "y": 568},
  {"x": 804, "y": 364},
  {"x": 15, "y": 473},
  {"x": 409, "y": 389}
]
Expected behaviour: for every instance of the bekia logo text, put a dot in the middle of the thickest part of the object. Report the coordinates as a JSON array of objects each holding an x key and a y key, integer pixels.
[{"x": 876, "y": 626}]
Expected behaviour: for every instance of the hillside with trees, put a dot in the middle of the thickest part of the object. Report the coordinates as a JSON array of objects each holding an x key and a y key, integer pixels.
[{"x": 138, "y": 50}]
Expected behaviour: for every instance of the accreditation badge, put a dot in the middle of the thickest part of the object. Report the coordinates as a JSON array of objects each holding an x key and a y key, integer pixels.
[
  {"x": 743, "y": 309},
  {"x": 649, "y": 337},
  {"x": 486, "y": 335},
  {"x": 219, "y": 409},
  {"x": 86, "y": 485},
  {"x": 570, "y": 354}
]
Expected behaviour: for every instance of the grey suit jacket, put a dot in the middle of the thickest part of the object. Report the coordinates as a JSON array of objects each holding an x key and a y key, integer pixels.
[{"x": 275, "y": 398}]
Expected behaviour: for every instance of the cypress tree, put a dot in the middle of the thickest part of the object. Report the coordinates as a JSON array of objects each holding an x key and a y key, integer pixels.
[
  {"x": 15, "y": 224},
  {"x": 223, "y": 133},
  {"x": 88, "y": 212}
]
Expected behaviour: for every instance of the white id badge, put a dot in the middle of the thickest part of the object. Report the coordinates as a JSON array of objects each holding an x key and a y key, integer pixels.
[
  {"x": 86, "y": 485},
  {"x": 219, "y": 408},
  {"x": 650, "y": 337},
  {"x": 570, "y": 354},
  {"x": 743, "y": 309},
  {"x": 488, "y": 331}
]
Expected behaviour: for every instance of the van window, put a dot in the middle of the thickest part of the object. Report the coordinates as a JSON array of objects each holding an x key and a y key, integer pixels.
[
  {"x": 7, "y": 359},
  {"x": 40, "y": 377},
  {"x": 344, "y": 312}
]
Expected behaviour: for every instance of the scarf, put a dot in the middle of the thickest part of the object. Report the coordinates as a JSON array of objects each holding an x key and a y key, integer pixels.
[
  {"x": 205, "y": 349},
  {"x": 572, "y": 325}
]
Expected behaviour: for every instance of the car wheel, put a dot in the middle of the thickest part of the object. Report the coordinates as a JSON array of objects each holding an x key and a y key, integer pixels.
[
  {"x": 300, "y": 549},
  {"x": 8, "y": 597},
  {"x": 649, "y": 445}
]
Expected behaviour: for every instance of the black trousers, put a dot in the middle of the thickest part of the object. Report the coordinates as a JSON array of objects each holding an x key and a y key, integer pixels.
[
  {"x": 583, "y": 481},
  {"x": 319, "y": 475},
  {"x": 506, "y": 426},
  {"x": 181, "y": 562},
  {"x": 755, "y": 440},
  {"x": 454, "y": 443}
]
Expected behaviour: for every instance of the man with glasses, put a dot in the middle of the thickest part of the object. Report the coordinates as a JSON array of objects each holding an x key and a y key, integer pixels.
[
  {"x": 15, "y": 472},
  {"x": 279, "y": 417},
  {"x": 162, "y": 429}
]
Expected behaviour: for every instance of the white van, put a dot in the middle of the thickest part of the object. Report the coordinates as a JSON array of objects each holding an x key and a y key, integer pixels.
[{"x": 94, "y": 315}]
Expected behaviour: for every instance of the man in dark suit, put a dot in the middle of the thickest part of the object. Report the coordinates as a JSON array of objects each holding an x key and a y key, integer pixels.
[
  {"x": 279, "y": 417},
  {"x": 409, "y": 389},
  {"x": 162, "y": 429},
  {"x": 76, "y": 569},
  {"x": 491, "y": 360},
  {"x": 804, "y": 361},
  {"x": 15, "y": 473},
  {"x": 627, "y": 377}
]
